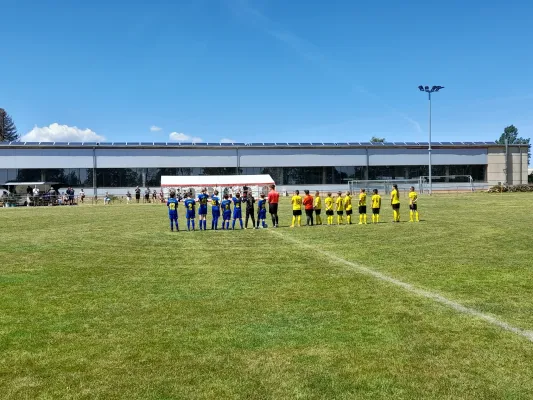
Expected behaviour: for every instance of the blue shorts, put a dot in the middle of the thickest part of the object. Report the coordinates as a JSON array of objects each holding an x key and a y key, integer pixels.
[
  {"x": 237, "y": 214},
  {"x": 173, "y": 215},
  {"x": 227, "y": 215},
  {"x": 202, "y": 210},
  {"x": 216, "y": 213},
  {"x": 190, "y": 214},
  {"x": 262, "y": 214}
]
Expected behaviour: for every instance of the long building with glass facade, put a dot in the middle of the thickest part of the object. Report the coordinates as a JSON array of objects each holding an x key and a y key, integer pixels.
[{"x": 126, "y": 165}]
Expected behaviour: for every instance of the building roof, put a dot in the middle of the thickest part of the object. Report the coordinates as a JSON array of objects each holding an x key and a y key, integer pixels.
[{"x": 245, "y": 145}]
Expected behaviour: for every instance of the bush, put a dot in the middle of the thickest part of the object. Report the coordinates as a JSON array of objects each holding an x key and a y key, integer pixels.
[{"x": 511, "y": 188}]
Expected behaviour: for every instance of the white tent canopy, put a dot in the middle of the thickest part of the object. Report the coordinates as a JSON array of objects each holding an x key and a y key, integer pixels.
[{"x": 256, "y": 183}]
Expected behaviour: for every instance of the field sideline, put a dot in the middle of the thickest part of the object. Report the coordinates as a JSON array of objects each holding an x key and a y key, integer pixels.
[{"x": 104, "y": 302}]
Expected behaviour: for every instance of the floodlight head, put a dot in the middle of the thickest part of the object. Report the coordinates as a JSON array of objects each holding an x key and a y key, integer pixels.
[
  {"x": 437, "y": 88},
  {"x": 421, "y": 88},
  {"x": 434, "y": 89},
  {"x": 427, "y": 88}
]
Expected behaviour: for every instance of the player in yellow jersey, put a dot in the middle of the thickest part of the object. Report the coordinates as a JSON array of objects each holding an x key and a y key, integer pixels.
[
  {"x": 329, "y": 208},
  {"x": 362, "y": 207},
  {"x": 296, "y": 208},
  {"x": 339, "y": 202},
  {"x": 395, "y": 203},
  {"x": 318, "y": 208},
  {"x": 413, "y": 206},
  {"x": 376, "y": 205},
  {"x": 348, "y": 207}
]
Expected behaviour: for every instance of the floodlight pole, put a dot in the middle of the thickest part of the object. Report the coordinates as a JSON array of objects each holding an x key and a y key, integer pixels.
[
  {"x": 429, "y": 90},
  {"x": 429, "y": 147}
]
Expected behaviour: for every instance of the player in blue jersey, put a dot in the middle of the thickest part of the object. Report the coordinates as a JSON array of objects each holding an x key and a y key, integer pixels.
[
  {"x": 202, "y": 209},
  {"x": 190, "y": 207},
  {"x": 215, "y": 209},
  {"x": 226, "y": 211},
  {"x": 172, "y": 205},
  {"x": 261, "y": 211},
  {"x": 237, "y": 209}
]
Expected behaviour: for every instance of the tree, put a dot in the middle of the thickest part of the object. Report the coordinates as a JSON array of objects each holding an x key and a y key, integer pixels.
[
  {"x": 511, "y": 134},
  {"x": 8, "y": 130},
  {"x": 377, "y": 140}
]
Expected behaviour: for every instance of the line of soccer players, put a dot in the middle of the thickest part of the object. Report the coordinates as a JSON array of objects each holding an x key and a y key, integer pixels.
[
  {"x": 312, "y": 205},
  {"x": 219, "y": 207},
  {"x": 343, "y": 204}
]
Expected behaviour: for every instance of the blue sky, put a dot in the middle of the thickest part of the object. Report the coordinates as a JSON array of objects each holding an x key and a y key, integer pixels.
[{"x": 266, "y": 70}]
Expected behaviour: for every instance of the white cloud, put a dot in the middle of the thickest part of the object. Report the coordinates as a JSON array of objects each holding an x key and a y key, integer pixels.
[
  {"x": 226, "y": 140},
  {"x": 182, "y": 137},
  {"x": 61, "y": 133},
  {"x": 154, "y": 128}
]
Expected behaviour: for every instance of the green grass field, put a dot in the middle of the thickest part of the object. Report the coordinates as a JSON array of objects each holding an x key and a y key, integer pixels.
[{"x": 104, "y": 302}]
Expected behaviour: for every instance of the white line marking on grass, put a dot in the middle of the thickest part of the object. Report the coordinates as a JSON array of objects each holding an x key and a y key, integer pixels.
[{"x": 413, "y": 289}]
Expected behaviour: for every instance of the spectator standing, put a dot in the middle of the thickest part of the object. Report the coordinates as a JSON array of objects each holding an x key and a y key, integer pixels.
[
  {"x": 128, "y": 197},
  {"x": 137, "y": 194},
  {"x": 82, "y": 195},
  {"x": 154, "y": 196},
  {"x": 147, "y": 195}
]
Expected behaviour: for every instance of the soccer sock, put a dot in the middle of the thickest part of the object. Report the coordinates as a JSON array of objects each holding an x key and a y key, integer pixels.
[
  {"x": 273, "y": 219},
  {"x": 417, "y": 217},
  {"x": 176, "y": 223},
  {"x": 360, "y": 218},
  {"x": 227, "y": 225},
  {"x": 188, "y": 224},
  {"x": 293, "y": 220},
  {"x": 233, "y": 225},
  {"x": 240, "y": 221},
  {"x": 264, "y": 224},
  {"x": 318, "y": 220},
  {"x": 397, "y": 216},
  {"x": 411, "y": 215},
  {"x": 277, "y": 220},
  {"x": 299, "y": 220},
  {"x": 171, "y": 224},
  {"x": 365, "y": 218},
  {"x": 373, "y": 218},
  {"x": 192, "y": 222},
  {"x": 377, "y": 218},
  {"x": 394, "y": 215}
]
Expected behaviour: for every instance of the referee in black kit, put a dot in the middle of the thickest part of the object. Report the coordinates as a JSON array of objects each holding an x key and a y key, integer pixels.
[{"x": 250, "y": 201}]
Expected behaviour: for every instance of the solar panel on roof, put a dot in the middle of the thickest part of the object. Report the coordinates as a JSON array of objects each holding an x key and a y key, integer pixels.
[
  {"x": 46, "y": 143},
  {"x": 330, "y": 144},
  {"x": 305, "y": 144},
  {"x": 89, "y": 144},
  {"x": 365, "y": 143},
  {"x": 226, "y": 144},
  {"x": 446, "y": 143},
  {"x": 457, "y": 143},
  {"x": 119, "y": 143},
  {"x": 201, "y": 144},
  {"x": 239, "y": 144},
  {"x": 256, "y": 144},
  {"x": 423, "y": 143},
  {"x": 269, "y": 144},
  {"x": 160, "y": 143},
  {"x": 61, "y": 143},
  {"x": 173, "y": 144},
  {"x": 411, "y": 143},
  {"x": 317, "y": 144}
]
